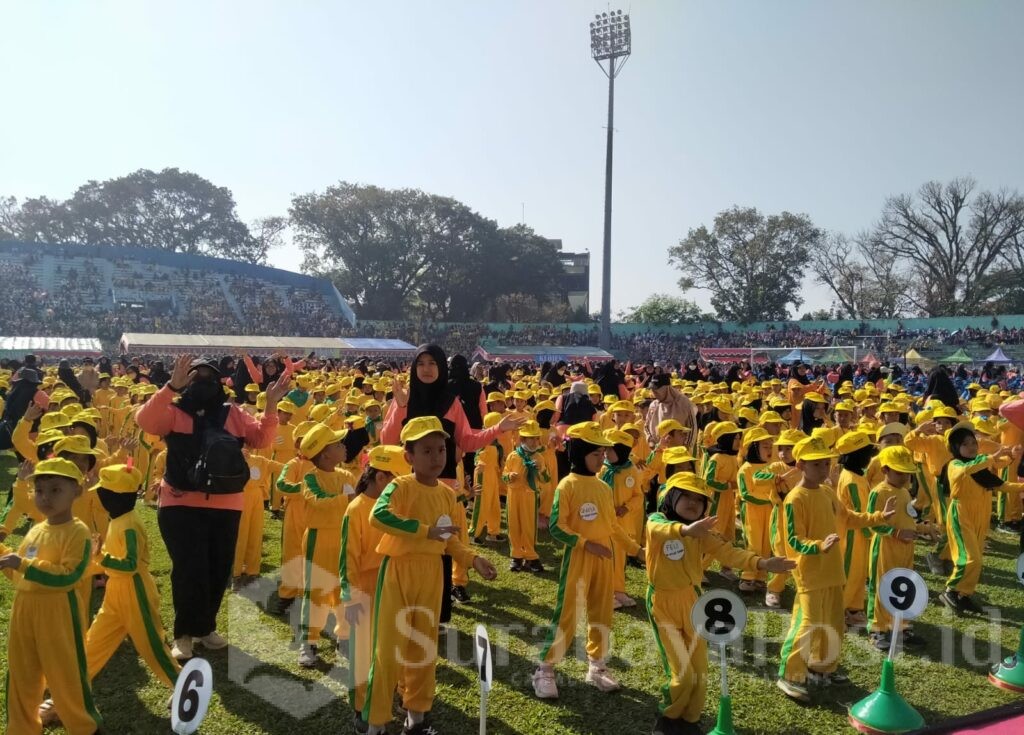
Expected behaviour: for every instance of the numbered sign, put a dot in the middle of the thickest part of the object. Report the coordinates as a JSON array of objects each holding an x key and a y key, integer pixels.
[
  {"x": 1020, "y": 568},
  {"x": 719, "y": 616},
  {"x": 484, "y": 664},
  {"x": 191, "y": 696},
  {"x": 903, "y": 593}
]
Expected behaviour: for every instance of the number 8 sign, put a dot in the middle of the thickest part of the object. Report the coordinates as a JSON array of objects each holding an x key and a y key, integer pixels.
[
  {"x": 903, "y": 593},
  {"x": 192, "y": 694},
  {"x": 719, "y": 616}
]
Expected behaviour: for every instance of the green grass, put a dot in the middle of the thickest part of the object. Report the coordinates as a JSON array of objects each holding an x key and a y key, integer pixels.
[{"x": 261, "y": 668}]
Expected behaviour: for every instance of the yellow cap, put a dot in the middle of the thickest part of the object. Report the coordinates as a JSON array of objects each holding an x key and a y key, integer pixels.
[
  {"x": 75, "y": 445},
  {"x": 50, "y": 436},
  {"x": 120, "y": 478},
  {"x": 302, "y": 429},
  {"x": 755, "y": 434},
  {"x": 318, "y": 438},
  {"x": 722, "y": 428},
  {"x": 845, "y": 406},
  {"x": 420, "y": 427},
  {"x": 492, "y": 419},
  {"x": 58, "y": 467},
  {"x": 287, "y": 407},
  {"x": 790, "y": 438},
  {"x": 677, "y": 455},
  {"x": 616, "y": 436},
  {"x": 811, "y": 449},
  {"x": 897, "y": 458},
  {"x": 389, "y": 459},
  {"x": 590, "y": 432},
  {"x": 770, "y": 417},
  {"x": 320, "y": 412},
  {"x": 54, "y": 420},
  {"x": 814, "y": 397},
  {"x": 988, "y": 427},
  {"x": 495, "y": 396},
  {"x": 890, "y": 407},
  {"x": 689, "y": 482},
  {"x": 853, "y": 441},
  {"x": 626, "y": 406},
  {"x": 893, "y": 428},
  {"x": 669, "y": 425},
  {"x": 544, "y": 406},
  {"x": 530, "y": 429},
  {"x": 944, "y": 412}
]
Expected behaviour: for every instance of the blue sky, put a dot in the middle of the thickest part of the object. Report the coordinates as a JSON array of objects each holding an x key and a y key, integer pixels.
[{"x": 813, "y": 106}]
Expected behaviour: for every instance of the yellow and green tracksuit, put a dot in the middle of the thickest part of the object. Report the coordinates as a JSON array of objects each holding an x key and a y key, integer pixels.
[
  {"x": 888, "y": 552},
  {"x": 289, "y": 484},
  {"x": 583, "y": 511},
  {"x": 360, "y": 565},
  {"x": 934, "y": 454},
  {"x": 549, "y": 460},
  {"x": 756, "y": 484},
  {"x": 22, "y": 504},
  {"x": 487, "y": 478},
  {"x": 967, "y": 519},
  {"x": 674, "y": 570},
  {"x": 460, "y": 574},
  {"x": 408, "y": 593},
  {"x": 816, "y": 632},
  {"x": 282, "y": 451},
  {"x": 46, "y": 640},
  {"x": 853, "y": 491},
  {"x": 1009, "y": 508},
  {"x": 131, "y": 603},
  {"x": 624, "y": 481},
  {"x": 784, "y": 477},
  {"x": 249, "y": 547},
  {"x": 720, "y": 471},
  {"x": 523, "y": 501},
  {"x": 326, "y": 495}
]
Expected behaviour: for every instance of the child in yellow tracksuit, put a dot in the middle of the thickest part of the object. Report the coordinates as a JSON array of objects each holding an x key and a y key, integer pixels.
[
  {"x": 418, "y": 516},
  {"x": 678, "y": 536},
  {"x": 892, "y": 545},
  {"x": 525, "y": 475},
  {"x": 22, "y": 503},
  {"x": 756, "y": 490},
  {"x": 855, "y": 452},
  {"x": 326, "y": 491},
  {"x": 283, "y": 450},
  {"x": 544, "y": 412},
  {"x": 46, "y": 644},
  {"x": 583, "y": 520},
  {"x": 487, "y": 478},
  {"x": 619, "y": 474},
  {"x": 249, "y": 547},
  {"x": 812, "y": 514},
  {"x": 289, "y": 485},
  {"x": 131, "y": 602},
  {"x": 971, "y": 478},
  {"x": 721, "y": 467},
  {"x": 360, "y": 566}
]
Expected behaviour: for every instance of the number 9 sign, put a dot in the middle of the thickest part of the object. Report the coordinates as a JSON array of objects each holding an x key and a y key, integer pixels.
[
  {"x": 192, "y": 694},
  {"x": 719, "y": 616},
  {"x": 903, "y": 593}
]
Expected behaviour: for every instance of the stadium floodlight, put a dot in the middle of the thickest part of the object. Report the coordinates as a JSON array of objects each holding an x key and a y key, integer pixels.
[{"x": 611, "y": 40}]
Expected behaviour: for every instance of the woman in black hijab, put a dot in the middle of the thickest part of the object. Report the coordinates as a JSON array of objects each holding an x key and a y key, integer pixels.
[
  {"x": 68, "y": 377},
  {"x": 940, "y": 387},
  {"x": 556, "y": 375}
]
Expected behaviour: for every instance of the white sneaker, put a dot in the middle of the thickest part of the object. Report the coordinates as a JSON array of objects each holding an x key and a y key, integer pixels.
[
  {"x": 182, "y": 650},
  {"x": 600, "y": 677},
  {"x": 213, "y": 641},
  {"x": 544, "y": 684},
  {"x": 771, "y": 599},
  {"x": 308, "y": 656}
]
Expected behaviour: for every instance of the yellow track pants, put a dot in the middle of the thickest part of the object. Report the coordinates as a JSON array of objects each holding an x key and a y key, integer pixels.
[{"x": 584, "y": 580}]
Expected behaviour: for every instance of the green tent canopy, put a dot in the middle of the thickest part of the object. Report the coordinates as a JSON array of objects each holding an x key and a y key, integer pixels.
[
  {"x": 960, "y": 357},
  {"x": 835, "y": 355}
]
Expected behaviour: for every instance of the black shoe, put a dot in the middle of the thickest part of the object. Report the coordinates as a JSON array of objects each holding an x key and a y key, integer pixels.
[
  {"x": 476, "y": 540},
  {"x": 516, "y": 565},
  {"x": 952, "y": 600},
  {"x": 359, "y": 724},
  {"x": 283, "y": 605},
  {"x": 420, "y": 728},
  {"x": 460, "y": 594},
  {"x": 969, "y": 605},
  {"x": 498, "y": 538},
  {"x": 881, "y": 641},
  {"x": 535, "y": 566},
  {"x": 636, "y": 562},
  {"x": 912, "y": 639}
]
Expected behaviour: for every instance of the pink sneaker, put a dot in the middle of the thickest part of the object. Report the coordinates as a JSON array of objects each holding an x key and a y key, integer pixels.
[
  {"x": 544, "y": 684},
  {"x": 599, "y": 676}
]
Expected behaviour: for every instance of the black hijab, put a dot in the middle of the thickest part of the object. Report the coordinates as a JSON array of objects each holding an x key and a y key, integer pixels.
[
  {"x": 467, "y": 390},
  {"x": 430, "y": 399},
  {"x": 941, "y": 387},
  {"x": 578, "y": 451},
  {"x": 68, "y": 377},
  {"x": 857, "y": 462}
]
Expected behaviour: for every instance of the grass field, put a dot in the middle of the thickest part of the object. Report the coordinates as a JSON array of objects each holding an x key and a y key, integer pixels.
[{"x": 260, "y": 689}]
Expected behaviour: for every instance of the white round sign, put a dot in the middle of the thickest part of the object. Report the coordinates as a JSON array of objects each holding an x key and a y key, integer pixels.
[
  {"x": 254, "y": 473},
  {"x": 719, "y": 616},
  {"x": 630, "y": 482},
  {"x": 674, "y": 549},
  {"x": 192, "y": 694},
  {"x": 903, "y": 592},
  {"x": 484, "y": 663},
  {"x": 588, "y": 512},
  {"x": 1020, "y": 568},
  {"x": 444, "y": 520},
  {"x": 911, "y": 510}
]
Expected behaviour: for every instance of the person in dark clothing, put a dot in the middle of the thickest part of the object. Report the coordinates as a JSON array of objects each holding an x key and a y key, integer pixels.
[
  {"x": 158, "y": 374},
  {"x": 68, "y": 377},
  {"x": 940, "y": 387}
]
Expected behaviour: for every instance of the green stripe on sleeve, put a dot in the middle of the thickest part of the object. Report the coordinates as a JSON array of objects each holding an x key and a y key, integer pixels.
[
  {"x": 558, "y": 533},
  {"x": 131, "y": 561},
  {"x": 382, "y": 512},
  {"x": 798, "y": 546},
  {"x": 49, "y": 579},
  {"x": 346, "y": 592}
]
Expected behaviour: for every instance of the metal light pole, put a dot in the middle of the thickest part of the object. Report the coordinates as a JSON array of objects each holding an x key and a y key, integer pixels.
[{"x": 610, "y": 40}]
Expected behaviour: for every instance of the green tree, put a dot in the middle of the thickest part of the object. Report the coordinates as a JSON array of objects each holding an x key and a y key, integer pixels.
[
  {"x": 170, "y": 210},
  {"x": 752, "y": 264},
  {"x": 661, "y": 308}
]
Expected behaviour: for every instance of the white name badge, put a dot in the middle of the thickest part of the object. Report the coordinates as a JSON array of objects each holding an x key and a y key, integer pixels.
[
  {"x": 630, "y": 482},
  {"x": 911, "y": 510},
  {"x": 254, "y": 473},
  {"x": 588, "y": 512},
  {"x": 444, "y": 520},
  {"x": 674, "y": 549}
]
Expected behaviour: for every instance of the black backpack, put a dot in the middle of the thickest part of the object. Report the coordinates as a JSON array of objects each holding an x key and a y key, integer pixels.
[{"x": 220, "y": 467}]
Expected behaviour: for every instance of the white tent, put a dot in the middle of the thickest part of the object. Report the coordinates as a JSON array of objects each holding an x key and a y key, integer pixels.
[{"x": 50, "y": 347}]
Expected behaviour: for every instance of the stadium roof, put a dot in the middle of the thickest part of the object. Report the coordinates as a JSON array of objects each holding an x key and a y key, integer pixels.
[
  {"x": 538, "y": 353},
  {"x": 50, "y": 346},
  {"x": 220, "y": 344}
]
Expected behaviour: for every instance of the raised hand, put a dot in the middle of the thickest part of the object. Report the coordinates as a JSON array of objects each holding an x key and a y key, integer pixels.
[
  {"x": 179, "y": 375},
  {"x": 701, "y": 528}
]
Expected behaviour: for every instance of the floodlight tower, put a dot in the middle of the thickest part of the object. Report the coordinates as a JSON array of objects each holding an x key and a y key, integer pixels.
[{"x": 610, "y": 40}]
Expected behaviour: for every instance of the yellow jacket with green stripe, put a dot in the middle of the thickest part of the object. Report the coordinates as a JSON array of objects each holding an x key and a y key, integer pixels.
[
  {"x": 53, "y": 557},
  {"x": 756, "y": 484},
  {"x": 974, "y": 498},
  {"x": 407, "y": 509},
  {"x": 326, "y": 495},
  {"x": 584, "y": 510},
  {"x": 810, "y": 515},
  {"x": 125, "y": 549},
  {"x": 674, "y": 561},
  {"x": 359, "y": 542}
]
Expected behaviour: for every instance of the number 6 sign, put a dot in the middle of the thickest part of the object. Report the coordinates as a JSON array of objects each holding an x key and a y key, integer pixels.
[{"x": 191, "y": 696}]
